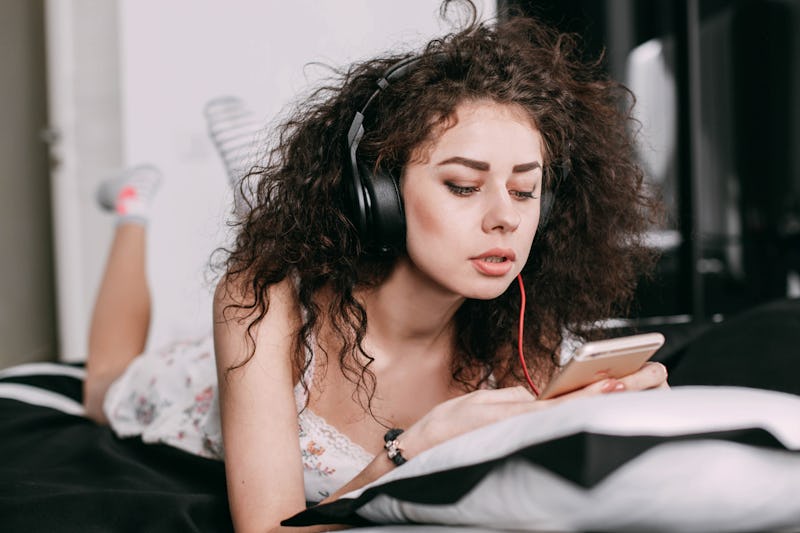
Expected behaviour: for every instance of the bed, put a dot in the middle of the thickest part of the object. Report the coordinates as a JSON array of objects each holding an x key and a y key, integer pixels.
[{"x": 722, "y": 453}]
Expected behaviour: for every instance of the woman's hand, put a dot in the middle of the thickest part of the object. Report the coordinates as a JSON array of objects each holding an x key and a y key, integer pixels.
[
  {"x": 651, "y": 376},
  {"x": 465, "y": 413},
  {"x": 480, "y": 408}
]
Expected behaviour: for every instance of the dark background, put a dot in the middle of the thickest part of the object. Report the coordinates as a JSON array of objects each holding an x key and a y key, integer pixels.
[{"x": 733, "y": 183}]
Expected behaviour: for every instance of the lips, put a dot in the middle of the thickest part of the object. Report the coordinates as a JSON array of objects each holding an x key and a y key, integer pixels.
[{"x": 494, "y": 262}]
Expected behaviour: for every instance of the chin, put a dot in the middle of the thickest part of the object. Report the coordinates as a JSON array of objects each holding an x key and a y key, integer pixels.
[
  {"x": 484, "y": 295},
  {"x": 487, "y": 289}
]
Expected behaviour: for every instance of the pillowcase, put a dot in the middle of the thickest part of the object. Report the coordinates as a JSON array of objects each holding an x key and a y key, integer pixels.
[{"x": 689, "y": 459}]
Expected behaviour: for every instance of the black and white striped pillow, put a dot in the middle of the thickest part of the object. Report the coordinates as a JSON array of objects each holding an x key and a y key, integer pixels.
[
  {"x": 54, "y": 385},
  {"x": 690, "y": 459}
]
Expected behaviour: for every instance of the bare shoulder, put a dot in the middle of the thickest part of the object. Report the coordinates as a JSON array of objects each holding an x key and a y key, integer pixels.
[
  {"x": 235, "y": 313},
  {"x": 233, "y": 298}
]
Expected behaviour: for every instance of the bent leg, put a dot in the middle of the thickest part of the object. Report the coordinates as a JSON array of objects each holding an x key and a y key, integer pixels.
[
  {"x": 234, "y": 130},
  {"x": 121, "y": 315}
]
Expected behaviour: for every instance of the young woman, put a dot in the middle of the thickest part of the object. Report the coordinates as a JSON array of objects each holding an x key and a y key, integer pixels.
[{"x": 374, "y": 285}]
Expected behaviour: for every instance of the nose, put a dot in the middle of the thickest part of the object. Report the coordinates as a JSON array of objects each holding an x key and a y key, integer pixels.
[{"x": 501, "y": 214}]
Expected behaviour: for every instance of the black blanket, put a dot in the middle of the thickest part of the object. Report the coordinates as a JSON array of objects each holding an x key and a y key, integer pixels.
[{"x": 62, "y": 472}]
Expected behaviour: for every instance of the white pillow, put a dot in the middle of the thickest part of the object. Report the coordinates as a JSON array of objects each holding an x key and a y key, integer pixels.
[{"x": 689, "y": 459}]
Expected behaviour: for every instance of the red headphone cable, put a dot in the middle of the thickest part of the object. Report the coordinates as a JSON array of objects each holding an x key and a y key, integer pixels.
[{"x": 520, "y": 336}]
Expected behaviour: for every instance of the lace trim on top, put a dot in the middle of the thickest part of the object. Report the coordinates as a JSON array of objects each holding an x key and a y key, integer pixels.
[{"x": 315, "y": 424}]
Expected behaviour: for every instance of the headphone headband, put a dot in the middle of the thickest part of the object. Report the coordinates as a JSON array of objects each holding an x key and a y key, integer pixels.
[{"x": 376, "y": 207}]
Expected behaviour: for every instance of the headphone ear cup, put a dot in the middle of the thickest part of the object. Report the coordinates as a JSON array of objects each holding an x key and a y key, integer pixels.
[
  {"x": 357, "y": 201},
  {"x": 386, "y": 218}
]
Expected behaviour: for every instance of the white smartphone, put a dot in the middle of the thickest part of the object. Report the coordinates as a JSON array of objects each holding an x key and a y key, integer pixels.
[{"x": 610, "y": 358}]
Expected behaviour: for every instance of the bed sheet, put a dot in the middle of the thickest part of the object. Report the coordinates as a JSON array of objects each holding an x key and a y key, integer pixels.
[{"x": 62, "y": 472}]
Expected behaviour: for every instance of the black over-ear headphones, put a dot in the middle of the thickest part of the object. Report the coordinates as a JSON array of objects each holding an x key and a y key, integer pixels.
[{"x": 376, "y": 207}]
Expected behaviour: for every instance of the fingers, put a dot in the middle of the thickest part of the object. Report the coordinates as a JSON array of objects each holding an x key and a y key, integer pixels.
[
  {"x": 651, "y": 376},
  {"x": 603, "y": 386}
]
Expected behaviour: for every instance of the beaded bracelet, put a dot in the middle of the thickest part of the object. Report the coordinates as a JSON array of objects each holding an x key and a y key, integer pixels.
[{"x": 392, "y": 445}]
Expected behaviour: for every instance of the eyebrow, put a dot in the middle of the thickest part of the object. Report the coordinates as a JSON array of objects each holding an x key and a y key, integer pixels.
[{"x": 484, "y": 166}]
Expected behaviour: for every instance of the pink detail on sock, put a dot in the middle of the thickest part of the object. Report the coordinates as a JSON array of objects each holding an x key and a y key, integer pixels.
[{"x": 125, "y": 194}]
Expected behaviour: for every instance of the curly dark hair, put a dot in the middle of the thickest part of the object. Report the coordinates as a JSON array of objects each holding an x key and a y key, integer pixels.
[{"x": 584, "y": 263}]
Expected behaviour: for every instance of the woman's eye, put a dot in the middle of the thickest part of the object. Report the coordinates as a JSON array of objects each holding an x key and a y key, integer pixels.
[
  {"x": 524, "y": 195},
  {"x": 460, "y": 190}
]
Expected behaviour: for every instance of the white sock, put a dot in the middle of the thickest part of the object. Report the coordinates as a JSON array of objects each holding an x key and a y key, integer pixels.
[
  {"x": 233, "y": 129},
  {"x": 130, "y": 193}
]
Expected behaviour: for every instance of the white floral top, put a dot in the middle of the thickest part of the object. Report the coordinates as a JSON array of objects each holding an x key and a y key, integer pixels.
[
  {"x": 170, "y": 396},
  {"x": 330, "y": 458}
]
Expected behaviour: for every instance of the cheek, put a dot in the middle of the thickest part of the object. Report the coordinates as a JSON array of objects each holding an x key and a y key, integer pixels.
[
  {"x": 532, "y": 228},
  {"x": 425, "y": 217},
  {"x": 528, "y": 237}
]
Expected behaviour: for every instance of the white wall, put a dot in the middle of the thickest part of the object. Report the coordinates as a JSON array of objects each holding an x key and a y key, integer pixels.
[{"x": 175, "y": 56}]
